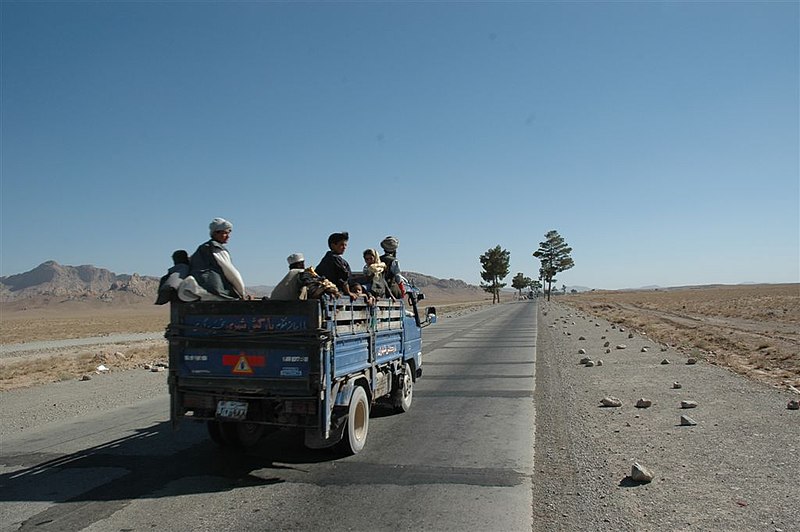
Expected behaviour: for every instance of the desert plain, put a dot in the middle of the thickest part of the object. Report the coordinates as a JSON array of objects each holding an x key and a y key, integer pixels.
[
  {"x": 35, "y": 335},
  {"x": 753, "y": 330}
]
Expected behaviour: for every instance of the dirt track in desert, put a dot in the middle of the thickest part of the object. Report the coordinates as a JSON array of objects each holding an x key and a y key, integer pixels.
[{"x": 752, "y": 329}]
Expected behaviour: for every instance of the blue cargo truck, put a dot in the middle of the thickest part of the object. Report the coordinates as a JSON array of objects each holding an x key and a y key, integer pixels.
[{"x": 248, "y": 367}]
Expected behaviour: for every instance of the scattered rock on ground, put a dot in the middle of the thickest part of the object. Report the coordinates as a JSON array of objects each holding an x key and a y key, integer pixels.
[
  {"x": 640, "y": 473},
  {"x": 793, "y": 404},
  {"x": 644, "y": 403},
  {"x": 686, "y": 421},
  {"x": 610, "y": 401},
  {"x": 688, "y": 404},
  {"x": 665, "y": 361},
  {"x": 676, "y": 385},
  {"x": 621, "y": 346}
]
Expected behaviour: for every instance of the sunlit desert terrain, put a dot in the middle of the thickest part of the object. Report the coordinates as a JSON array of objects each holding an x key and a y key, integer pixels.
[
  {"x": 752, "y": 329},
  {"x": 45, "y": 320}
]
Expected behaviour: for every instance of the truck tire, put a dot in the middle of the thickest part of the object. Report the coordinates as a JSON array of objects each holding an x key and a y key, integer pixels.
[
  {"x": 249, "y": 434},
  {"x": 223, "y": 433},
  {"x": 357, "y": 424},
  {"x": 215, "y": 433},
  {"x": 404, "y": 392}
]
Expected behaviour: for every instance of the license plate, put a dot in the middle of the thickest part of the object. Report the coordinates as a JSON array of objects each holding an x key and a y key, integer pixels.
[{"x": 232, "y": 410}]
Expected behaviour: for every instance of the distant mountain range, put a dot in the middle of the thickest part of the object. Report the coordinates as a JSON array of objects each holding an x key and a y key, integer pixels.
[{"x": 53, "y": 280}]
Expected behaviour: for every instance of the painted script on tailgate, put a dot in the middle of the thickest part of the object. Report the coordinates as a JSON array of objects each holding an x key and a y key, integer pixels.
[{"x": 249, "y": 323}]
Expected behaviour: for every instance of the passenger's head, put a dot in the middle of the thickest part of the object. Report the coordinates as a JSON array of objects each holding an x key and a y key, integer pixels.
[
  {"x": 220, "y": 229},
  {"x": 337, "y": 242},
  {"x": 389, "y": 244},
  {"x": 355, "y": 289},
  {"x": 371, "y": 256},
  {"x": 296, "y": 260},
  {"x": 180, "y": 256}
]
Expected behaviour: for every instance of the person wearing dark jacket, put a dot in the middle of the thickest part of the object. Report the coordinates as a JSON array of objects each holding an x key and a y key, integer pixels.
[
  {"x": 212, "y": 275},
  {"x": 333, "y": 266},
  {"x": 392, "y": 272},
  {"x": 168, "y": 285}
]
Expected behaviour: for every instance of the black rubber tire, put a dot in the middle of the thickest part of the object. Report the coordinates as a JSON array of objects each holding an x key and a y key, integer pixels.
[
  {"x": 357, "y": 424},
  {"x": 249, "y": 434},
  {"x": 230, "y": 434},
  {"x": 215, "y": 433},
  {"x": 403, "y": 394}
]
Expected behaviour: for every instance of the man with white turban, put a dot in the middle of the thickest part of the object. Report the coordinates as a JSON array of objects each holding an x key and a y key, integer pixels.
[
  {"x": 291, "y": 286},
  {"x": 212, "y": 275}
]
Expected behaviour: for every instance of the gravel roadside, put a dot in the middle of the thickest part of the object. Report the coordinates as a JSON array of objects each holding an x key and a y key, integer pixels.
[
  {"x": 27, "y": 408},
  {"x": 737, "y": 469},
  {"x": 47, "y": 346}
]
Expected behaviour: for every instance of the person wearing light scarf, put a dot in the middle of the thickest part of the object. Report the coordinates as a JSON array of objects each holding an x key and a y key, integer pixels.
[
  {"x": 373, "y": 272},
  {"x": 212, "y": 275}
]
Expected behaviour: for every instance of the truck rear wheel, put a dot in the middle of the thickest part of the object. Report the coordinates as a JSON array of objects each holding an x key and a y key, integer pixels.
[
  {"x": 223, "y": 433},
  {"x": 215, "y": 433},
  {"x": 404, "y": 392},
  {"x": 357, "y": 423},
  {"x": 249, "y": 434}
]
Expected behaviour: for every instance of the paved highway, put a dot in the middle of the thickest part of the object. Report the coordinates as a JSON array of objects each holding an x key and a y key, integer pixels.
[{"x": 460, "y": 459}]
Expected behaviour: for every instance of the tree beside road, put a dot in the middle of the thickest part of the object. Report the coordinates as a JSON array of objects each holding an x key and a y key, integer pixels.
[{"x": 554, "y": 255}]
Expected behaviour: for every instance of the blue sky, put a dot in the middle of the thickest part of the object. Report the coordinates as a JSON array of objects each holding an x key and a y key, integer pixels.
[{"x": 660, "y": 139}]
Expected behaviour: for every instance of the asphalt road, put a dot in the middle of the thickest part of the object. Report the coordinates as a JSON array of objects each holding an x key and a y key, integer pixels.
[{"x": 460, "y": 459}]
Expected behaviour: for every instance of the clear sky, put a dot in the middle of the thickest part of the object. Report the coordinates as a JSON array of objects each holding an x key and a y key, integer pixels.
[{"x": 659, "y": 139}]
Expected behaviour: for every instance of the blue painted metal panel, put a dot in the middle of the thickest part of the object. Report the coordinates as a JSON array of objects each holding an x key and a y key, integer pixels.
[
  {"x": 388, "y": 345},
  {"x": 350, "y": 354},
  {"x": 249, "y": 362}
]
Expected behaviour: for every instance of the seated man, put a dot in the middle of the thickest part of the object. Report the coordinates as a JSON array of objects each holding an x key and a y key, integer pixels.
[
  {"x": 392, "y": 274},
  {"x": 212, "y": 275},
  {"x": 292, "y": 285},
  {"x": 168, "y": 284}
]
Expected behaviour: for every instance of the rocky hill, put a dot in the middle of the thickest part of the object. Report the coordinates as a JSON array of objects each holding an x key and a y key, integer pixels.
[
  {"x": 51, "y": 279},
  {"x": 85, "y": 283}
]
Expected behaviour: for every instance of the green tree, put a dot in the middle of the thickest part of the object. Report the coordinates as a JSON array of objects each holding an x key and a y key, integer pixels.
[
  {"x": 495, "y": 264},
  {"x": 536, "y": 286},
  {"x": 554, "y": 255},
  {"x": 520, "y": 282}
]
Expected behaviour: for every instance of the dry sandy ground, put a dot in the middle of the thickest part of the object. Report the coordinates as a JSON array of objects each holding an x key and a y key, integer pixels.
[
  {"x": 752, "y": 329},
  {"x": 737, "y": 469},
  {"x": 27, "y": 322}
]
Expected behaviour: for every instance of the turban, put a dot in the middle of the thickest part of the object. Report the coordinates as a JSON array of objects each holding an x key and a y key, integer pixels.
[
  {"x": 219, "y": 224},
  {"x": 295, "y": 257},
  {"x": 389, "y": 244}
]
